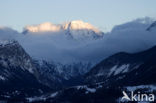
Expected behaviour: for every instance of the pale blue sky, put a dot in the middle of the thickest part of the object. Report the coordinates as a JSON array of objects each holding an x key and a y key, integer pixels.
[{"x": 104, "y": 14}]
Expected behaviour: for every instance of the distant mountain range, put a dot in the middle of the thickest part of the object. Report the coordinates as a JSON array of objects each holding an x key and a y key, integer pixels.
[{"x": 75, "y": 62}]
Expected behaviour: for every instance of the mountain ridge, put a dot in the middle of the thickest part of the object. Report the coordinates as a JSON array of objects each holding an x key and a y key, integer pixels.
[
  {"x": 121, "y": 64},
  {"x": 76, "y": 29}
]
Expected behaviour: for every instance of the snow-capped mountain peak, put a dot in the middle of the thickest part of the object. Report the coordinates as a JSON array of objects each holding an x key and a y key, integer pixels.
[
  {"x": 81, "y": 30},
  {"x": 76, "y": 29},
  {"x": 80, "y": 25}
]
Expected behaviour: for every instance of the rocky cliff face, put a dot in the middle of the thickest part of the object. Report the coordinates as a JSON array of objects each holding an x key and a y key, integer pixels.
[{"x": 17, "y": 71}]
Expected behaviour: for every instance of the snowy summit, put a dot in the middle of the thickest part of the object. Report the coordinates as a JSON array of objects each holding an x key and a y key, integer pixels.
[{"x": 76, "y": 29}]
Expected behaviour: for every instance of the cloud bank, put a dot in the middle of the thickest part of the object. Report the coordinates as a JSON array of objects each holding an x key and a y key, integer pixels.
[{"x": 129, "y": 37}]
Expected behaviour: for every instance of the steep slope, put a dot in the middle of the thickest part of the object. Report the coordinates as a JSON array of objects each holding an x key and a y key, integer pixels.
[
  {"x": 152, "y": 26},
  {"x": 126, "y": 69},
  {"x": 18, "y": 75}
]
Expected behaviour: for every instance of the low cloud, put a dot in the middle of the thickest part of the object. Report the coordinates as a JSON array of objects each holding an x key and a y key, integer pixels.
[{"x": 129, "y": 37}]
